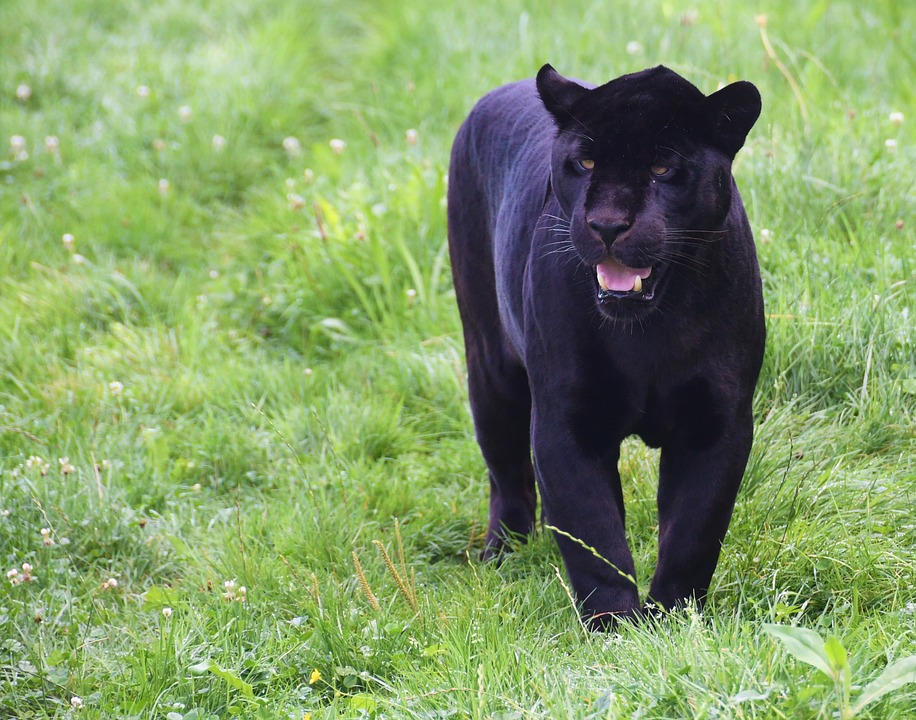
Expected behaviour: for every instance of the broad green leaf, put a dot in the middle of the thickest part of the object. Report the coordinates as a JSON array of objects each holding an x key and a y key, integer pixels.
[
  {"x": 894, "y": 676},
  {"x": 361, "y": 701},
  {"x": 158, "y": 597},
  {"x": 805, "y": 645},
  {"x": 233, "y": 680},
  {"x": 836, "y": 653}
]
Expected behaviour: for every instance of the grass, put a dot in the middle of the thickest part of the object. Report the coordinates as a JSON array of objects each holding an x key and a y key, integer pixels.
[{"x": 254, "y": 369}]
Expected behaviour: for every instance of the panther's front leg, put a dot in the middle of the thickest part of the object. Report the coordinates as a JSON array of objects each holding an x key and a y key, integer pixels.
[
  {"x": 696, "y": 495},
  {"x": 582, "y": 499}
]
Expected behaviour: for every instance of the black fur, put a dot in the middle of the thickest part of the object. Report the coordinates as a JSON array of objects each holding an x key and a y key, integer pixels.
[{"x": 562, "y": 370}]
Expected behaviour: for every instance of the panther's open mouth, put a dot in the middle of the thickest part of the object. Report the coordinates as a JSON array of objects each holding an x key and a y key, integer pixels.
[{"x": 617, "y": 281}]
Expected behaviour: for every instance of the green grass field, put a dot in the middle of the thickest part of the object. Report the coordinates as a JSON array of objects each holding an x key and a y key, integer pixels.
[{"x": 238, "y": 475}]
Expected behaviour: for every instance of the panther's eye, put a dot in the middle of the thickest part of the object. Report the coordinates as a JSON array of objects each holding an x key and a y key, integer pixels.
[
  {"x": 586, "y": 164},
  {"x": 659, "y": 170}
]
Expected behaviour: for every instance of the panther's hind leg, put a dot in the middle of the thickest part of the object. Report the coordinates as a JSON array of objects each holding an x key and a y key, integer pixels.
[
  {"x": 501, "y": 405},
  {"x": 497, "y": 382}
]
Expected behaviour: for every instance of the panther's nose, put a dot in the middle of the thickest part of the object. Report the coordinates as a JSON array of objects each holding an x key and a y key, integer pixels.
[{"x": 609, "y": 230}]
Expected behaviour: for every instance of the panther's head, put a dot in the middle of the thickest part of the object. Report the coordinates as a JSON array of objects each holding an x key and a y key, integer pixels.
[{"x": 641, "y": 168}]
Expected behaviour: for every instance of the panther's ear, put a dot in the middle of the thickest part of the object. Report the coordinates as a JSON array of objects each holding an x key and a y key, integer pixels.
[
  {"x": 557, "y": 93},
  {"x": 730, "y": 113}
]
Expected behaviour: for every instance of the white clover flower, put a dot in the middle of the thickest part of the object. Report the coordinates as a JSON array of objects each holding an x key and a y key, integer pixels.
[
  {"x": 214, "y": 274},
  {"x": 79, "y": 259},
  {"x": 143, "y": 91},
  {"x": 33, "y": 462},
  {"x": 309, "y": 175},
  {"x": 308, "y": 371},
  {"x": 634, "y": 47},
  {"x": 52, "y": 144},
  {"x": 185, "y": 113},
  {"x": 765, "y": 236},
  {"x": 46, "y": 538},
  {"x": 896, "y": 118},
  {"x": 116, "y": 387},
  {"x": 163, "y": 186},
  {"x": 109, "y": 584},
  {"x": 296, "y": 202},
  {"x": 411, "y": 136},
  {"x": 337, "y": 146},
  {"x": 67, "y": 240},
  {"x": 166, "y": 612},
  {"x": 4, "y": 513},
  {"x": 76, "y": 702},
  {"x": 218, "y": 143},
  {"x": 65, "y": 467},
  {"x": 292, "y": 145},
  {"x": 17, "y": 144},
  {"x": 23, "y": 92},
  {"x": 891, "y": 144}
]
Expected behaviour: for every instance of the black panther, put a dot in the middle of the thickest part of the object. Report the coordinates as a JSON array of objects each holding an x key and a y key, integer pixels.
[{"x": 608, "y": 286}]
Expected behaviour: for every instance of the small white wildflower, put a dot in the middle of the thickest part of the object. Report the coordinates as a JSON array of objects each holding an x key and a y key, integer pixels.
[
  {"x": 116, "y": 387},
  {"x": 196, "y": 487},
  {"x": 214, "y": 274},
  {"x": 166, "y": 612},
  {"x": 13, "y": 576},
  {"x": 337, "y": 146},
  {"x": 163, "y": 186},
  {"x": 109, "y": 584},
  {"x": 296, "y": 202},
  {"x": 411, "y": 296},
  {"x": 65, "y": 467},
  {"x": 17, "y": 144},
  {"x": 309, "y": 175},
  {"x": 308, "y": 371},
  {"x": 143, "y": 91},
  {"x": 891, "y": 144},
  {"x": 896, "y": 118},
  {"x": 185, "y": 113},
  {"x": 634, "y": 47},
  {"x": 33, "y": 462},
  {"x": 46, "y": 538},
  {"x": 292, "y": 145},
  {"x": 79, "y": 259},
  {"x": 242, "y": 594},
  {"x": 266, "y": 300},
  {"x": 52, "y": 144},
  {"x": 411, "y": 136},
  {"x": 379, "y": 209},
  {"x": 765, "y": 236},
  {"x": 67, "y": 240},
  {"x": 23, "y": 92},
  {"x": 4, "y": 513},
  {"x": 76, "y": 702},
  {"x": 218, "y": 143}
]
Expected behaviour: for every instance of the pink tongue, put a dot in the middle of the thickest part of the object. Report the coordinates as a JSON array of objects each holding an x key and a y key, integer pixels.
[{"x": 620, "y": 278}]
